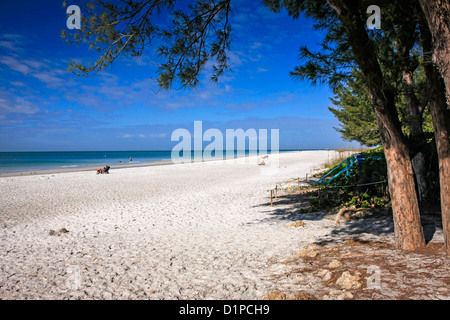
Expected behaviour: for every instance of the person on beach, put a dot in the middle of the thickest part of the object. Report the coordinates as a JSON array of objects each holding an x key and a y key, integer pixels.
[
  {"x": 131, "y": 160},
  {"x": 261, "y": 162},
  {"x": 103, "y": 170}
]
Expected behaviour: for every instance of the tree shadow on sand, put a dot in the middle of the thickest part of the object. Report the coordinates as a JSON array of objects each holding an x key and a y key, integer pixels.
[{"x": 376, "y": 222}]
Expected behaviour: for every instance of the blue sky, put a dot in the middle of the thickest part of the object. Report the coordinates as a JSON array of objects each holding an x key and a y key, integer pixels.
[{"x": 43, "y": 107}]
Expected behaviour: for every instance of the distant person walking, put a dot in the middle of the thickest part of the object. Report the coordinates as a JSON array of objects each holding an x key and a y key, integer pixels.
[{"x": 131, "y": 159}]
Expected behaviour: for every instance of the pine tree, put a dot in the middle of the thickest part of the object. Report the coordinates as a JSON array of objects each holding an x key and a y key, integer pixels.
[
  {"x": 355, "y": 112},
  {"x": 126, "y": 28},
  {"x": 349, "y": 44}
]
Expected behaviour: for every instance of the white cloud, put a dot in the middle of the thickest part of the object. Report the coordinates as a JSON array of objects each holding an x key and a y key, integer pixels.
[
  {"x": 12, "y": 42},
  {"x": 35, "y": 64},
  {"x": 18, "y": 105},
  {"x": 235, "y": 61},
  {"x": 7, "y": 44},
  {"x": 34, "y": 68},
  {"x": 15, "y": 65},
  {"x": 262, "y": 69},
  {"x": 18, "y": 83},
  {"x": 256, "y": 45},
  {"x": 48, "y": 77},
  {"x": 157, "y": 135},
  {"x": 13, "y": 36},
  {"x": 142, "y": 135}
]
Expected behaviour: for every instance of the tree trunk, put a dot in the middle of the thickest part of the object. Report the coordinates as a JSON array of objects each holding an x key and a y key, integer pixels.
[
  {"x": 405, "y": 206},
  {"x": 415, "y": 121},
  {"x": 413, "y": 106},
  {"x": 437, "y": 13},
  {"x": 405, "y": 41},
  {"x": 419, "y": 164},
  {"x": 441, "y": 123}
]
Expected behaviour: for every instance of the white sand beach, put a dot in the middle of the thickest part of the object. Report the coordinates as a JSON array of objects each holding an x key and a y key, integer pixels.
[{"x": 182, "y": 231}]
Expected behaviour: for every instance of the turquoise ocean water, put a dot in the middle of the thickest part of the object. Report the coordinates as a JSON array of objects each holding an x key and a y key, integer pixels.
[{"x": 11, "y": 162}]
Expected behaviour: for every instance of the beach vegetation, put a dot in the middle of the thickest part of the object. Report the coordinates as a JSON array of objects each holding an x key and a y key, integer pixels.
[{"x": 364, "y": 187}]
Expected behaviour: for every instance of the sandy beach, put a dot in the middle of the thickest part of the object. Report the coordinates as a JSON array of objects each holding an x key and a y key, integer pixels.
[{"x": 183, "y": 231}]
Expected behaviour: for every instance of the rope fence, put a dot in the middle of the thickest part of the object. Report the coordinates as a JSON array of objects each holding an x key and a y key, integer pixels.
[
  {"x": 357, "y": 185},
  {"x": 296, "y": 181}
]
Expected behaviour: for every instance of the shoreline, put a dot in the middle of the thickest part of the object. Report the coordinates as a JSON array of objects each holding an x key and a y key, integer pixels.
[
  {"x": 37, "y": 172},
  {"x": 81, "y": 169}
]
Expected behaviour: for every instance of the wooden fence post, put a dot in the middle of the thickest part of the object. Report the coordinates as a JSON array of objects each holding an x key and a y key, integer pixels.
[
  {"x": 271, "y": 198},
  {"x": 319, "y": 194}
]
